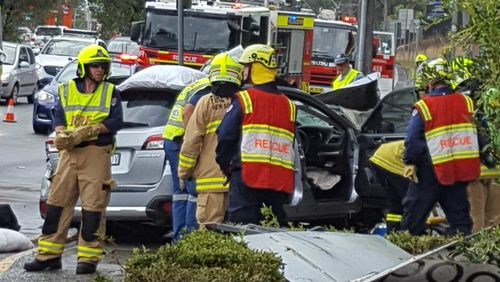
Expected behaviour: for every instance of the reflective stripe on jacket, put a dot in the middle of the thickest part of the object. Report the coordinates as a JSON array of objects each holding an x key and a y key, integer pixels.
[
  {"x": 489, "y": 172},
  {"x": 389, "y": 156},
  {"x": 343, "y": 80},
  {"x": 175, "y": 124},
  {"x": 197, "y": 155},
  {"x": 451, "y": 137},
  {"x": 82, "y": 109},
  {"x": 268, "y": 133}
]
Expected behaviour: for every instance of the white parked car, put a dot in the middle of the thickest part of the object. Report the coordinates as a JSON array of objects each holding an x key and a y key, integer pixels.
[
  {"x": 19, "y": 75},
  {"x": 44, "y": 33},
  {"x": 62, "y": 49}
]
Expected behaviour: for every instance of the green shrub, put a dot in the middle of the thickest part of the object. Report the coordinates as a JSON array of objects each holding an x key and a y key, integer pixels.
[
  {"x": 483, "y": 247},
  {"x": 204, "y": 256},
  {"x": 416, "y": 245}
]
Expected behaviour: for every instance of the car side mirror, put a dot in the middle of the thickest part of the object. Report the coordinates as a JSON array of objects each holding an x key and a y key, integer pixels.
[
  {"x": 24, "y": 64},
  {"x": 44, "y": 81},
  {"x": 250, "y": 25},
  {"x": 36, "y": 50},
  {"x": 387, "y": 127},
  {"x": 136, "y": 31}
]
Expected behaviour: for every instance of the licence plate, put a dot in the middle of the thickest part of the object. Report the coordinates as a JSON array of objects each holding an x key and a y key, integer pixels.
[{"x": 115, "y": 159}]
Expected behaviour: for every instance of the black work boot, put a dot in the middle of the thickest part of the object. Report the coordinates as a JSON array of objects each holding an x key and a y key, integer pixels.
[
  {"x": 84, "y": 267},
  {"x": 39, "y": 265}
]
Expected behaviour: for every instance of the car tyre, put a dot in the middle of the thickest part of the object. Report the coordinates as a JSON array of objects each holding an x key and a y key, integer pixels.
[
  {"x": 15, "y": 93},
  {"x": 40, "y": 129}
]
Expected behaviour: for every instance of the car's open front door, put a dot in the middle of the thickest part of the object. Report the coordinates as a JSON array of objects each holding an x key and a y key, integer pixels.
[{"x": 387, "y": 122}]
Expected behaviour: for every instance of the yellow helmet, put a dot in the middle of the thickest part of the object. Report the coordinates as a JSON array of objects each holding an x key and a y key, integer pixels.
[
  {"x": 420, "y": 58},
  {"x": 260, "y": 53},
  {"x": 224, "y": 68},
  {"x": 437, "y": 70},
  {"x": 92, "y": 54},
  {"x": 462, "y": 70}
]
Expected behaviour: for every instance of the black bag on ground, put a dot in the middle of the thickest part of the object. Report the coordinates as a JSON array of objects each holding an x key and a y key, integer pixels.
[{"x": 8, "y": 218}]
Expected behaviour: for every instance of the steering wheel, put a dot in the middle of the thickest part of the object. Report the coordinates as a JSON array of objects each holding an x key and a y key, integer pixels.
[
  {"x": 320, "y": 136},
  {"x": 303, "y": 140}
]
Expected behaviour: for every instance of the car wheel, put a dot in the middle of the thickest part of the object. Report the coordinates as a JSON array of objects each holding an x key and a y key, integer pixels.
[
  {"x": 31, "y": 98},
  {"x": 40, "y": 129},
  {"x": 15, "y": 93}
]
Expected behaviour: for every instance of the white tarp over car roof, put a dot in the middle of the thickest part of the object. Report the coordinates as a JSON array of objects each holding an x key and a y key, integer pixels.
[
  {"x": 329, "y": 256},
  {"x": 162, "y": 76}
]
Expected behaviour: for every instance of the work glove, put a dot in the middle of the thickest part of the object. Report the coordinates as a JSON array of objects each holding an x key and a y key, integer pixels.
[
  {"x": 410, "y": 172},
  {"x": 85, "y": 133},
  {"x": 62, "y": 141}
]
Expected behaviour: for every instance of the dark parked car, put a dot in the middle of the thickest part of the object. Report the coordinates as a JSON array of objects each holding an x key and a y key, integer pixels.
[{"x": 47, "y": 98}]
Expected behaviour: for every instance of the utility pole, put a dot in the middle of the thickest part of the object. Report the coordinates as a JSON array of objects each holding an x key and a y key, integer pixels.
[
  {"x": 1, "y": 30},
  {"x": 365, "y": 43},
  {"x": 1, "y": 40},
  {"x": 180, "y": 32}
]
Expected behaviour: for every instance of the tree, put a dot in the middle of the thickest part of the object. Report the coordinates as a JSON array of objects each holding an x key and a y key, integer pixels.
[
  {"x": 482, "y": 34},
  {"x": 16, "y": 13},
  {"x": 115, "y": 16}
]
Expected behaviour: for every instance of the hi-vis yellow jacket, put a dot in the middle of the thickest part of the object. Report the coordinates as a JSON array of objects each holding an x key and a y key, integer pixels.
[
  {"x": 175, "y": 124},
  {"x": 197, "y": 155},
  {"x": 389, "y": 156}
]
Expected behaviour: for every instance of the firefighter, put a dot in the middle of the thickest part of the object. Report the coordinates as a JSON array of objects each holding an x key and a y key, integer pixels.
[
  {"x": 184, "y": 200},
  {"x": 346, "y": 73},
  {"x": 420, "y": 60},
  {"x": 255, "y": 141},
  {"x": 198, "y": 148},
  {"x": 389, "y": 167},
  {"x": 420, "y": 86},
  {"x": 484, "y": 198},
  {"x": 86, "y": 119},
  {"x": 441, "y": 154}
]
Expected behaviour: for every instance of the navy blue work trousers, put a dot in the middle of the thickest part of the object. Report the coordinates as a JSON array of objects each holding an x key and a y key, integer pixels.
[
  {"x": 184, "y": 201},
  {"x": 245, "y": 202},
  {"x": 422, "y": 197}
]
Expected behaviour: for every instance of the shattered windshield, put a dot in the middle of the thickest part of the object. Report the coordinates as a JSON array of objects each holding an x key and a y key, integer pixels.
[{"x": 202, "y": 34}]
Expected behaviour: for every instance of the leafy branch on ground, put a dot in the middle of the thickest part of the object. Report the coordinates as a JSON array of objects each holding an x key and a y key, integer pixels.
[
  {"x": 416, "y": 245},
  {"x": 204, "y": 255},
  {"x": 484, "y": 247}
]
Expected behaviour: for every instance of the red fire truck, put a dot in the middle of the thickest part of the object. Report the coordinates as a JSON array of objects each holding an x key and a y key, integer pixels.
[
  {"x": 211, "y": 27},
  {"x": 333, "y": 37}
]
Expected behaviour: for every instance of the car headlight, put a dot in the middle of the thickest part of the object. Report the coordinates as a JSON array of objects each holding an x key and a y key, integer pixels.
[
  {"x": 44, "y": 96},
  {"x": 5, "y": 76}
]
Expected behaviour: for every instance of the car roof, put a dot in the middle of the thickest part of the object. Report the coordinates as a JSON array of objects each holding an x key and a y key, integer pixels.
[
  {"x": 76, "y": 38},
  {"x": 52, "y": 26},
  {"x": 13, "y": 44},
  {"x": 121, "y": 38}
]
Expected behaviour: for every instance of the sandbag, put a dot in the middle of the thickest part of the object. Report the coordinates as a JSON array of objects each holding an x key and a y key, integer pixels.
[{"x": 12, "y": 241}]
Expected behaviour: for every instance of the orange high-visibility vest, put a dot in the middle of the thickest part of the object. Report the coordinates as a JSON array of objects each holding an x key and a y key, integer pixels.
[
  {"x": 268, "y": 132},
  {"x": 451, "y": 137}
]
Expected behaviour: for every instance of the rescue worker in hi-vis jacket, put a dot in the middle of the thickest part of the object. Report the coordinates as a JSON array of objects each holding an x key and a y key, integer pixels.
[
  {"x": 200, "y": 140},
  {"x": 184, "y": 200},
  {"x": 86, "y": 120},
  {"x": 441, "y": 154},
  {"x": 256, "y": 141}
]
